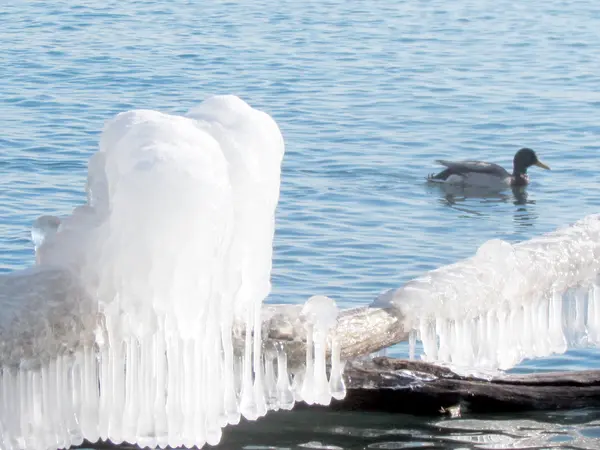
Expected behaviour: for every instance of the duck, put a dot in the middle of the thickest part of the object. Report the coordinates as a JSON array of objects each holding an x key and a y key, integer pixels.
[{"x": 486, "y": 174}]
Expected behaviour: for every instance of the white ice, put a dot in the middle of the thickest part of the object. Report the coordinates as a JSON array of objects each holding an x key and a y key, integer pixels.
[
  {"x": 43, "y": 227},
  {"x": 320, "y": 316},
  {"x": 172, "y": 248},
  {"x": 508, "y": 302}
]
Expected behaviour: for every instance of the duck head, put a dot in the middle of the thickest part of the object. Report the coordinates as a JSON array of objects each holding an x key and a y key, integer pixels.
[{"x": 524, "y": 159}]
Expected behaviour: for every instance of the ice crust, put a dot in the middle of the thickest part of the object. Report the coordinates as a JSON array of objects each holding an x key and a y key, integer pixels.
[
  {"x": 508, "y": 302},
  {"x": 173, "y": 246}
]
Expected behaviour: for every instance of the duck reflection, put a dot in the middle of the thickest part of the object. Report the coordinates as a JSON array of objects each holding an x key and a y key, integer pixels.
[{"x": 461, "y": 198}]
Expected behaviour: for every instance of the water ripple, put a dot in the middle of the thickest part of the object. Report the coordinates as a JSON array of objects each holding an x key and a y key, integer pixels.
[{"x": 367, "y": 97}]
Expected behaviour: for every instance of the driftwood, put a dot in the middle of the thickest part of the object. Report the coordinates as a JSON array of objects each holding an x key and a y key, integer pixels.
[
  {"x": 415, "y": 387},
  {"x": 359, "y": 331},
  {"x": 388, "y": 385}
]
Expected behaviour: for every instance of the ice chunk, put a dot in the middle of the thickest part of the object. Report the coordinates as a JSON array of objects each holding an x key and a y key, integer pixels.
[
  {"x": 124, "y": 331},
  {"x": 173, "y": 246}
]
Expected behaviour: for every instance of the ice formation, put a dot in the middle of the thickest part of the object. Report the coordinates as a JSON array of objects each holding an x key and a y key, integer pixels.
[
  {"x": 508, "y": 302},
  {"x": 320, "y": 315},
  {"x": 172, "y": 248},
  {"x": 43, "y": 227}
]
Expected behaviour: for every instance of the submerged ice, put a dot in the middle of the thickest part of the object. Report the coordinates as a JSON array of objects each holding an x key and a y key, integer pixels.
[
  {"x": 508, "y": 302},
  {"x": 172, "y": 248}
]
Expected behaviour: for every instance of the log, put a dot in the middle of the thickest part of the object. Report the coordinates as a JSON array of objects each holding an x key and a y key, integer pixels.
[
  {"x": 359, "y": 331},
  {"x": 416, "y": 387}
]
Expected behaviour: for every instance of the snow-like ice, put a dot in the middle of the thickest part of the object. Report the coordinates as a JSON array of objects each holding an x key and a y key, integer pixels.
[
  {"x": 508, "y": 302},
  {"x": 173, "y": 247}
]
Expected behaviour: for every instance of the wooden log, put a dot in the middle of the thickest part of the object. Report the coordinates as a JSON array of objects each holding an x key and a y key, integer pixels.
[
  {"x": 359, "y": 331},
  {"x": 416, "y": 387}
]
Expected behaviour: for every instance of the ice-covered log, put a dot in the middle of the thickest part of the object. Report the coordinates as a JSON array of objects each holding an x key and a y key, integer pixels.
[
  {"x": 508, "y": 302},
  {"x": 565, "y": 312},
  {"x": 358, "y": 331},
  {"x": 69, "y": 317},
  {"x": 490, "y": 311}
]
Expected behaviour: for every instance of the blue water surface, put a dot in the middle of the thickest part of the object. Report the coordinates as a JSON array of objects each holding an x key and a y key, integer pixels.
[{"x": 367, "y": 95}]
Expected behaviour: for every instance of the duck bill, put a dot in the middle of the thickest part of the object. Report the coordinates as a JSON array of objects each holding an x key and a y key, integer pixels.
[{"x": 542, "y": 165}]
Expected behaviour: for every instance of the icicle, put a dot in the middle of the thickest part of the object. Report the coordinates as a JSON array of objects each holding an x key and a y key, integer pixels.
[
  {"x": 285, "y": 394},
  {"x": 212, "y": 386},
  {"x": 593, "y": 314},
  {"x": 441, "y": 329},
  {"x": 308, "y": 384},
  {"x": 189, "y": 395},
  {"x": 579, "y": 328},
  {"x": 160, "y": 381},
  {"x": 320, "y": 316},
  {"x": 322, "y": 394},
  {"x": 259, "y": 395},
  {"x": 412, "y": 342},
  {"x": 271, "y": 398},
  {"x": 336, "y": 380},
  {"x": 248, "y": 406},
  {"x": 429, "y": 340},
  {"x": 131, "y": 411},
  {"x": 558, "y": 342},
  {"x": 541, "y": 328},
  {"x": 174, "y": 390},
  {"x": 232, "y": 411},
  {"x": 89, "y": 407},
  {"x": 298, "y": 382}
]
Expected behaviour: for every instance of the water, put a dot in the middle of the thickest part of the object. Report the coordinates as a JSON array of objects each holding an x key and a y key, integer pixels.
[
  {"x": 367, "y": 94},
  {"x": 386, "y": 431},
  {"x": 351, "y": 431}
]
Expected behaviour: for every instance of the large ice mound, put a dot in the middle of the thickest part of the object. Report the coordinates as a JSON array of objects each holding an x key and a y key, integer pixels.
[
  {"x": 173, "y": 246},
  {"x": 508, "y": 302}
]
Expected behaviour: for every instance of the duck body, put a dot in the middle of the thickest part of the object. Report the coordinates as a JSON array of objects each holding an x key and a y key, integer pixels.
[
  {"x": 472, "y": 173},
  {"x": 485, "y": 174}
]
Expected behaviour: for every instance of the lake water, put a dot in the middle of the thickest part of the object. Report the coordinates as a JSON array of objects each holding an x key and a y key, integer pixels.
[{"x": 367, "y": 95}]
